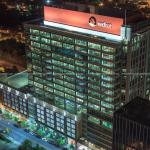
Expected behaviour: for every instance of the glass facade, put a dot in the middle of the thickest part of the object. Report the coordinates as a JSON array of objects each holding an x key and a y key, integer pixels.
[
  {"x": 73, "y": 74},
  {"x": 76, "y": 73}
]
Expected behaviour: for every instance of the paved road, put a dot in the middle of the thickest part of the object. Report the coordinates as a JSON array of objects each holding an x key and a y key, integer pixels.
[{"x": 19, "y": 135}]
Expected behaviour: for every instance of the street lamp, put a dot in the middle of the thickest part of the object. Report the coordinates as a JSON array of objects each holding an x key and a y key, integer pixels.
[{"x": 101, "y": 4}]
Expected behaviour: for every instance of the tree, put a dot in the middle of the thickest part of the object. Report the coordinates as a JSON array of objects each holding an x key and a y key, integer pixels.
[
  {"x": 16, "y": 119},
  {"x": 71, "y": 147},
  {"x": 37, "y": 147},
  {"x": 40, "y": 132},
  {"x": 26, "y": 145},
  {"x": 1, "y": 111},
  {"x": 24, "y": 124}
]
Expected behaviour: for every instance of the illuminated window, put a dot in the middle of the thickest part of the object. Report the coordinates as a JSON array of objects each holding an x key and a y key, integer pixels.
[
  {"x": 94, "y": 60},
  {"x": 43, "y": 46},
  {"x": 70, "y": 127},
  {"x": 40, "y": 113},
  {"x": 68, "y": 40},
  {"x": 93, "y": 106},
  {"x": 80, "y": 42},
  {"x": 94, "y": 53},
  {"x": 70, "y": 97},
  {"x": 60, "y": 122},
  {"x": 35, "y": 44},
  {"x": 81, "y": 49},
  {"x": 94, "y": 46},
  {"x": 107, "y": 124},
  {"x": 59, "y": 87},
  {"x": 108, "y": 49},
  {"x": 68, "y": 46},
  {"x": 94, "y": 67},
  {"x": 106, "y": 77},
  {"x": 93, "y": 93},
  {"x": 107, "y": 105},
  {"x": 56, "y": 37},
  {"x": 70, "y": 106},
  {"x": 38, "y": 85},
  {"x": 80, "y": 63},
  {"x": 45, "y": 34},
  {"x": 93, "y": 119},
  {"x": 58, "y": 93},
  {"x": 59, "y": 101},
  {"x": 107, "y": 56},
  {"x": 107, "y": 71},
  {"x": 105, "y": 84},
  {"x": 44, "y": 40},
  {"x": 108, "y": 64},
  {"x": 69, "y": 91},
  {"x": 34, "y": 31},
  {"x": 56, "y": 43},
  {"x": 95, "y": 87},
  {"x": 35, "y": 38},
  {"x": 69, "y": 85}
]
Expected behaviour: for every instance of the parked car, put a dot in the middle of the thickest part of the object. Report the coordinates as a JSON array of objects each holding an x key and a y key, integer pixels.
[
  {"x": 44, "y": 139},
  {"x": 26, "y": 130},
  {"x": 38, "y": 136},
  {"x": 16, "y": 125},
  {"x": 51, "y": 142},
  {"x": 65, "y": 149},
  {"x": 31, "y": 133}
]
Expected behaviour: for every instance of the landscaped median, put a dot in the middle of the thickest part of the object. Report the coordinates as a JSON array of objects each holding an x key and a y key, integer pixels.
[{"x": 10, "y": 115}]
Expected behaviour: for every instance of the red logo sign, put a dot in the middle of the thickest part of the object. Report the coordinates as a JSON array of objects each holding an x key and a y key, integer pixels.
[
  {"x": 89, "y": 21},
  {"x": 92, "y": 21}
]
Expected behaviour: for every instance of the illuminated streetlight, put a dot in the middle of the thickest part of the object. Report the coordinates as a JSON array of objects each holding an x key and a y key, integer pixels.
[{"x": 101, "y": 4}]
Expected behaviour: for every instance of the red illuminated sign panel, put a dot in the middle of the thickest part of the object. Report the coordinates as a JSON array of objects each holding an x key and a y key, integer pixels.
[{"x": 99, "y": 23}]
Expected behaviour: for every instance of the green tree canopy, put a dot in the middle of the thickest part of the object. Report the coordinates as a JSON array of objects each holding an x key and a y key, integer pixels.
[
  {"x": 37, "y": 147},
  {"x": 26, "y": 145}
]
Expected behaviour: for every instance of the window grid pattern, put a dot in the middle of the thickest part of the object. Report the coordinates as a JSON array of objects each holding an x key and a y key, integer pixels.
[
  {"x": 40, "y": 113},
  {"x": 15, "y": 102},
  {"x": 77, "y": 74}
]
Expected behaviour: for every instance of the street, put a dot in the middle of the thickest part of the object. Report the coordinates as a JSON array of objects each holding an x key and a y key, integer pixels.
[{"x": 18, "y": 135}]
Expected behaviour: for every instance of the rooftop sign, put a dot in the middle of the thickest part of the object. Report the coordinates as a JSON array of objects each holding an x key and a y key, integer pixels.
[{"x": 83, "y": 20}]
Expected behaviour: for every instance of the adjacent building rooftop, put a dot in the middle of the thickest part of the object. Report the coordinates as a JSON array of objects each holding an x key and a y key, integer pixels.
[
  {"x": 137, "y": 110},
  {"x": 16, "y": 81}
]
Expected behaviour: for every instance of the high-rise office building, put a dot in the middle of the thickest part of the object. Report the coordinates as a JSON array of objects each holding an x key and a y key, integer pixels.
[
  {"x": 131, "y": 126},
  {"x": 84, "y": 62},
  {"x": 80, "y": 60}
]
